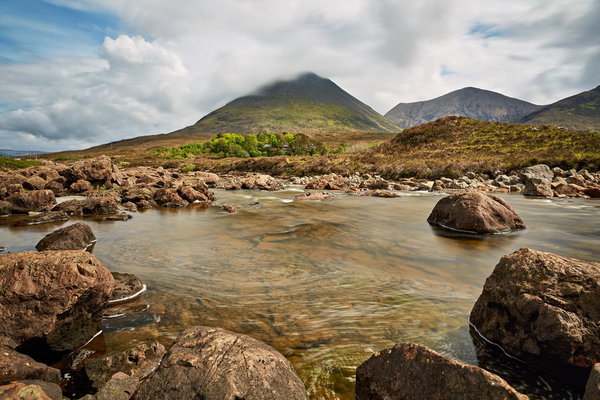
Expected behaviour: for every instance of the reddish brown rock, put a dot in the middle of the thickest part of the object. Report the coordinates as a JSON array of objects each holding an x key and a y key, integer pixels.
[
  {"x": 229, "y": 208},
  {"x": 139, "y": 361},
  {"x": 215, "y": 364},
  {"x": 126, "y": 286},
  {"x": 261, "y": 182},
  {"x": 592, "y": 389},
  {"x": 410, "y": 371},
  {"x": 543, "y": 308},
  {"x": 31, "y": 390},
  {"x": 78, "y": 236},
  {"x": 52, "y": 299},
  {"x": 169, "y": 198},
  {"x": 35, "y": 200},
  {"x": 379, "y": 193},
  {"x": 44, "y": 218},
  {"x": 98, "y": 171},
  {"x": 314, "y": 196},
  {"x": 5, "y": 208},
  {"x": 89, "y": 206},
  {"x": 80, "y": 186},
  {"x": 471, "y": 211},
  {"x": 34, "y": 183},
  {"x": 15, "y": 366},
  {"x": 57, "y": 188},
  {"x": 592, "y": 191},
  {"x": 192, "y": 195}
]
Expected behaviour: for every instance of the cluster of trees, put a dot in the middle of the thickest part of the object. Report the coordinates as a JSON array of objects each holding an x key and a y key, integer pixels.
[{"x": 254, "y": 145}]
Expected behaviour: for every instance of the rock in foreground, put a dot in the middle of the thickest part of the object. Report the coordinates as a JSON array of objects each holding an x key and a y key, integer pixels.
[
  {"x": 52, "y": 299},
  {"x": 471, "y": 211},
  {"x": 215, "y": 364},
  {"x": 78, "y": 236},
  {"x": 127, "y": 286},
  {"x": 411, "y": 371},
  {"x": 543, "y": 308},
  {"x": 31, "y": 390},
  {"x": 592, "y": 389}
]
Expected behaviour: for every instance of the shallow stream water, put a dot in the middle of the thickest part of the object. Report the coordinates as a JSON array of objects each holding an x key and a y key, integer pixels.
[{"x": 325, "y": 283}]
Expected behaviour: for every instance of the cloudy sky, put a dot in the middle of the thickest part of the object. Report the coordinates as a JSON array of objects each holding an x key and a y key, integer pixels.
[{"x": 78, "y": 73}]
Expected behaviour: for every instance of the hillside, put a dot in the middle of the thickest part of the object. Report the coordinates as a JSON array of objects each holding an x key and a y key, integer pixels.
[
  {"x": 307, "y": 104},
  {"x": 469, "y": 102},
  {"x": 580, "y": 112}
]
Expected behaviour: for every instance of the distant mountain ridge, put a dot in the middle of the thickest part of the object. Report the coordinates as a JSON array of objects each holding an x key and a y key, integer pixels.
[
  {"x": 470, "y": 102},
  {"x": 18, "y": 153},
  {"x": 580, "y": 112},
  {"x": 307, "y": 104}
]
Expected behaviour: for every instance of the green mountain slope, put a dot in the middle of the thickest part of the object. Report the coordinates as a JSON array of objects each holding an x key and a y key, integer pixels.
[
  {"x": 307, "y": 104},
  {"x": 580, "y": 112},
  {"x": 470, "y": 102}
]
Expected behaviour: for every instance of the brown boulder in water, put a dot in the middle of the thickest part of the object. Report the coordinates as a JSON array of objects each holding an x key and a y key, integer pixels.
[
  {"x": 411, "y": 371},
  {"x": 592, "y": 389},
  {"x": 89, "y": 206},
  {"x": 261, "y": 182},
  {"x": 471, "y": 211},
  {"x": 34, "y": 200},
  {"x": 169, "y": 198},
  {"x": 78, "y": 236},
  {"x": 314, "y": 196},
  {"x": 215, "y": 364},
  {"x": 52, "y": 299},
  {"x": 544, "y": 309},
  {"x": 126, "y": 286}
]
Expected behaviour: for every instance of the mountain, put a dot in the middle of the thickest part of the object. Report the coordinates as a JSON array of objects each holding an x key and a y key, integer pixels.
[
  {"x": 580, "y": 112},
  {"x": 307, "y": 104},
  {"x": 18, "y": 153},
  {"x": 470, "y": 102}
]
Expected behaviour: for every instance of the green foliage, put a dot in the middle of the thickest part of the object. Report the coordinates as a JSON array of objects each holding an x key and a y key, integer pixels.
[
  {"x": 252, "y": 145},
  {"x": 61, "y": 158},
  {"x": 15, "y": 163},
  {"x": 187, "y": 168}
]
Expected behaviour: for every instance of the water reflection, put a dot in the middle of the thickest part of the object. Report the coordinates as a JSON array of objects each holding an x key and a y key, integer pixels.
[{"x": 325, "y": 283}]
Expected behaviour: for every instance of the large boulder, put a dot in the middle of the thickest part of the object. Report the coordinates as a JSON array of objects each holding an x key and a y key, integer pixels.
[
  {"x": 471, "y": 211},
  {"x": 592, "y": 389},
  {"x": 52, "y": 299},
  {"x": 34, "y": 200},
  {"x": 78, "y": 236},
  {"x": 537, "y": 180},
  {"x": 89, "y": 206},
  {"x": 30, "y": 390},
  {"x": 97, "y": 171},
  {"x": 411, "y": 371},
  {"x": 139, "y": 361},
  {"x": 540, "y": 171},
  {"x": 169, "y": 198},
  {"x": 215, "y": 364},
  {"x": 544, "y": 309},
  {"x": 261, "y": 182},
  {"x": 192, "y": 195}
]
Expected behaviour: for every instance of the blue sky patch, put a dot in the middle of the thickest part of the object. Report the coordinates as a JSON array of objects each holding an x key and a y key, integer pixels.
[
  {"x": 34, "y": 28},
  {"x": 485, "y": 31}
]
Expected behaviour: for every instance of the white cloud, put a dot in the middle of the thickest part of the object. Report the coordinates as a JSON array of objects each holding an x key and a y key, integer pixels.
[{"x": 205, "y": 53}]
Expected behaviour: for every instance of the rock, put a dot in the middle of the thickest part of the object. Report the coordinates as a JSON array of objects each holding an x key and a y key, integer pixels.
[
  {"x": 80, "y": 186},
  {"x": 44, "y": 218},
  {"x": 35, "y": 200},
  {"x": 192, "y": 195},
  {"x": 592, "y": 389},
  {"x": 380, "y": 193},
  {"x": 327, "y": 182},
  {"x": 228, "y": 207},
  {"x": 567, "y": 190},
  {"x": 540, "y": 171},
  {"x": 15, "y": 366},
  {"x": 120, "y": 387},
  {"x": 117, "y": 217},
  {"x": 471, "y": 211},
  {"x": 576, "y": 179},
  {"x": 591, "y": 191},
  {"x": 52, "y": 299},
  {"x": 437, "y": 186},
  {"x": 261, "y": 182},
  {"x": 540, "y": 187},
  {"x": 169, "y": 198},
  {"x": 215, "y": 364},
  {"x": 32, "y": 390},
  {"x": 137, "y": 194},
  {"x": 544, "y": 309},
  {"x": 128, "y": 205},
  {"x": 138, "y": 361},
  {"x": 34, "y": 183},
  {"x": 127, "y": 286},
  {"x": 98, "y": 171},
  {"x": 57, "y": 188},
  {"x": 5, "y": 208},
  {"x": 2, "y": 249},
  {"x": 89, "y": 206},
  {"x": 208, "y": 177},
  {"x": 314, "y": 196},
  {"x": 78, "y": 236},
  {"x": 411, "y": 371}
]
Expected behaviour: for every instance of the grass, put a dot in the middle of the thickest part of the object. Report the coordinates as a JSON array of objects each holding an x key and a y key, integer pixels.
[{"x": 9, "y": 163}]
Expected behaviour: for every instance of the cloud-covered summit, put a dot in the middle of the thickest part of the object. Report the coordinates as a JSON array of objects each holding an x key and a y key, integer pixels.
[{"x": 89, "y": 72}]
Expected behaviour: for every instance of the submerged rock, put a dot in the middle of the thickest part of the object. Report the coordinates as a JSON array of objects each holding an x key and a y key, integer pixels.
[
  {"x": 471, "y": 211},
  {"x": 78, "y": 236},
  {"x": 380, "y": 193},
  {"x": 314, "y": 196},
  {"x": 544, "y": 309},
  {"x": 215, "y": 364},
  {"x": 52, "y": 299},
  {"x": 44, "y": 218},
  {"x": 15, "y": 366},
  {"x": 228, "y": 207},
  {"x": 138, "y": 361},
  {"x": 411, "y": 371},
  {"x": 126, "y": 286}
]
